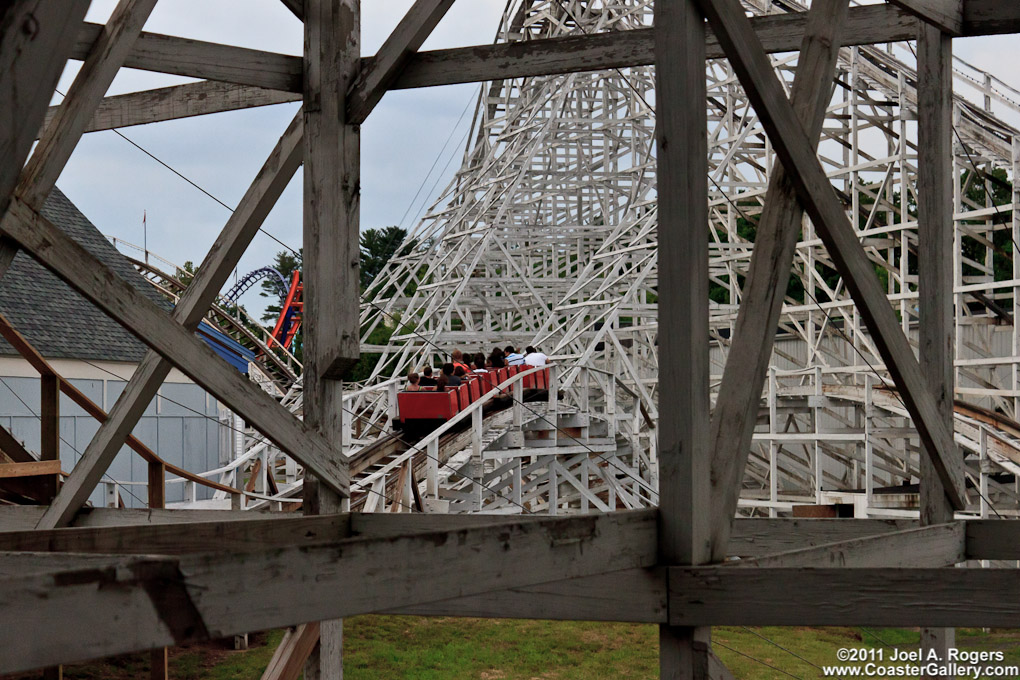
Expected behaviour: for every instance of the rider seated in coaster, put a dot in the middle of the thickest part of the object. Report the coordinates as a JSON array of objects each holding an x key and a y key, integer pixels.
[
  {"x": 448, "y": 373},
  {"x": 426, "y": 377},
  {"x": 412, "y": 383}
]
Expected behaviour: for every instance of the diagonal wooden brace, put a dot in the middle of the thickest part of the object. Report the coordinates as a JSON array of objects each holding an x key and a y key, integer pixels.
[
  {"x": 736, "y": 408},
  {"x": 223, "y": 256},
  {"x": 816, "y": 194},
  {"x": 92, "y": 278}
]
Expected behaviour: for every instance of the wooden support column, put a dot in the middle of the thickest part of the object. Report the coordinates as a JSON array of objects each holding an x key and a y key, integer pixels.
[
  {"x": 682, "y": 152},
  {"x": 935, "y": 268},
  {"x": 332, "y": 178},
  {"x": 49, "y": 424}
]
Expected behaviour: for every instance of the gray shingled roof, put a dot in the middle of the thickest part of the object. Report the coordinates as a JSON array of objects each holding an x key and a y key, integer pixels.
[{"x": 59, "y": 322}]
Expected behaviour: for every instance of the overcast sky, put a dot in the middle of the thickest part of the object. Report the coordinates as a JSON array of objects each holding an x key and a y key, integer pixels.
[{"x": 112, "y": 183}]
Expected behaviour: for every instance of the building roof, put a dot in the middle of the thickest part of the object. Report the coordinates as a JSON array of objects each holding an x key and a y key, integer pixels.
[{"x": 59, "y": 322}]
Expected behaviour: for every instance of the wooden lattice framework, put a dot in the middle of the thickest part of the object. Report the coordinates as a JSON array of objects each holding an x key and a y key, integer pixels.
[{"x": 158, "y": 585}]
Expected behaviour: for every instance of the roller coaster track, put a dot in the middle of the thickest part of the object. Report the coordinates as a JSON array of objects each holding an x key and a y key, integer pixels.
[{"x": 281, "y": 366}]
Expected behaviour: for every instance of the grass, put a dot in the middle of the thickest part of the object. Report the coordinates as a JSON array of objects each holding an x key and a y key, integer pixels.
[{"x": 405, "y": 647}]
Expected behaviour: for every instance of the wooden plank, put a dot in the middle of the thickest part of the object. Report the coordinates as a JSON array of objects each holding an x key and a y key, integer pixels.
[
  {"x": 990, "y": 17},
  {"x": 288, "y": 660},
  {"x": 752, "y": 537},
  {"x": 946, "y": 15},
  {"x": 682, "y": 173},
  {"x": 60, "y": 137},
  {"x": 620, "y": 49},
  {"x": 736, "y": 409},
  {"x": 332, "y": 193},
  {"x": 179, "y": 101},
  {"x": 33, "y": 469},
  {"x": 844, "y": 597},
  {"x": 160, "y": 601},
  {"x": 935, "y": 260},
  {"x": 636, "y": 595},
  {"x": 992, "y": 539},
  {"x": 778, "y": 33},
  {"x": 204, "y": 60},
  {"x": 82, "y": 271},
  {"x": 297, "y": 7},
  {"x": 25, "y": 517},
  {"x": 935, "y": 244},
  {"x": 379, "y": 74},
  {"x": 816, "y": 194},
  {"x": 178, "y": 539},
  {"x": 223, "y": 256},
  {"x": 941, "y": 545}
]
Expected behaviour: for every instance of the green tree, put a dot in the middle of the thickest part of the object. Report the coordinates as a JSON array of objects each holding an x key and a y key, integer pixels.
[{"x": 378, "y": 246}]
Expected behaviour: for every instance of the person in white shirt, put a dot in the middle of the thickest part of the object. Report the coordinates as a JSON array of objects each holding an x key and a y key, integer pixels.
[
  {"x": 532, "y": 357},
  {"x": 512, "y": 356}
]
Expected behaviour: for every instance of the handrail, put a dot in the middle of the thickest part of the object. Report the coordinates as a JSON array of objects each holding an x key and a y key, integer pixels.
[{"x": 43, "y": 367}]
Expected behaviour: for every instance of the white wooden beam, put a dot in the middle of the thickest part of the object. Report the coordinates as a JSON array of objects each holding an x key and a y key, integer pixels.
[
  {"x": 736, "y": 408},
  {"x": 819, "y": 200},
  {"x": 162, "y": 601},
  {"x": 376, "y": 77},
  {"x": 946, "y": 15},
  {"x": 223, "y": 256},
  {"x": 89, "y": 276},
  {"x": 844, "y": 597}
]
